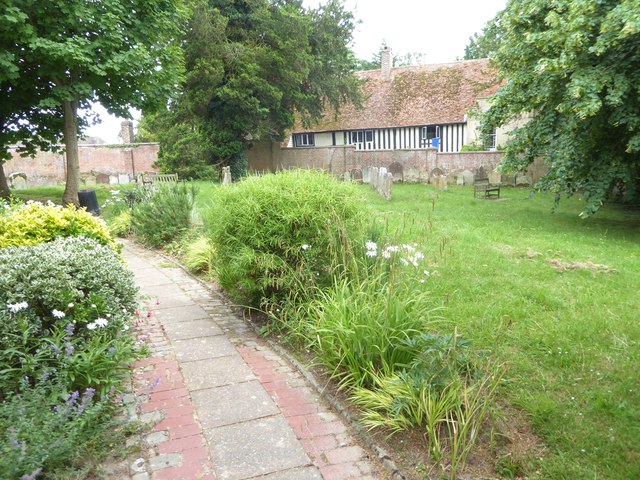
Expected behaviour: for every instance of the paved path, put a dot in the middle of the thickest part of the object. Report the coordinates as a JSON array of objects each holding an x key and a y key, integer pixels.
[{"x": 224, "y": 405}]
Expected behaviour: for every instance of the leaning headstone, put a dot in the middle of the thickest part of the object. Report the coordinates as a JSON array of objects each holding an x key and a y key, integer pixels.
[
  {"x": 102, "y": 178},
  {"x": 468, "y": 178},
  {"x": 436, "y": 172},
  {"x": 523, "y": 181},
  {"x": 226, "y": 175}
]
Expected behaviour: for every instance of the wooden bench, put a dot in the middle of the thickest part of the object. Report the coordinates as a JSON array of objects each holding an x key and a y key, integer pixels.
[
  {"x": 149, "y": 179},
  {"x": 487, "y": 189}
]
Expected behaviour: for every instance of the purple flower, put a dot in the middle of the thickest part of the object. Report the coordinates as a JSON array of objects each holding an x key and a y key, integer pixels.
[
  {"x": 69, "y": 349},
  {"x": 87, "y": 396},
  {"x": 68, "y": 330},
  {"x": 72, "y": 398}
]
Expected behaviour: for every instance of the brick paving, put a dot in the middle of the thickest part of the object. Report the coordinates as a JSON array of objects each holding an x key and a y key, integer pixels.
[{"x": 220, "y": 403}]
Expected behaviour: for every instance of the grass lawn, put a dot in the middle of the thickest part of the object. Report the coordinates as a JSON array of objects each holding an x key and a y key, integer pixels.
[
  {"x": 570, "y": 338},
  {"x": 554, "y": 297}
]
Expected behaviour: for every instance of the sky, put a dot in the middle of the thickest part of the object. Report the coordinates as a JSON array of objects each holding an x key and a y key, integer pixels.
[{"x": 439, "y": 29}]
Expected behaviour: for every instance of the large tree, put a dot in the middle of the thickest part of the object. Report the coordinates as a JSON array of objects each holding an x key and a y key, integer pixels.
[
  {"x": 252, "y": 66},
  {"x": 573, "y": 66},
  {"x": 485, "y": 43},
  {"x": 120, "y": 53}
]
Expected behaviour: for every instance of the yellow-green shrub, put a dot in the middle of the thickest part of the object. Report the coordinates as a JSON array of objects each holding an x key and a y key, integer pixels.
[{"x": 34, "y": 223}]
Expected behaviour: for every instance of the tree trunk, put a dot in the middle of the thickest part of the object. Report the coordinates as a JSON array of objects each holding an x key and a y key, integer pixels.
[
  {"x": 70, "y": 134},
  {"x": 4, "y": 186}
]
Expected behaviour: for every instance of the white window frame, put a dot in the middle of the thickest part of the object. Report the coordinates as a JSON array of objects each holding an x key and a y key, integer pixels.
[{"x": 304, "y": 140}]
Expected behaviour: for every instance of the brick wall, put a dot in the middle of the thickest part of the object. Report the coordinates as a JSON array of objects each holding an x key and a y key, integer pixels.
[
  {"x": 415, "y": 165},
  {"x": 49, "y": 168}
]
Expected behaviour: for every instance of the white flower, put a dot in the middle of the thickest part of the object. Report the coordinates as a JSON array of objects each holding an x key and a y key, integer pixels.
[
  {"x": 71, "y": 305},
  {"x": 93, "y": 305},
  {"x": 404, "y": 262},
  {"x": 419, "y": 256},
  {"x": 91, "y": 326},
  {"x": 386, "y": 254},
  {"x": 371, "y": 245},
  {"x": 57, "y": 313},
  {"x": 408, "y": 248},
  {"x": 371, "y": 253},
  {"x": 426, "y": 272},
  {"x": 125, "y": 328},
  {"x": 16, "y": 307},
  {"x": 115, "y": 192},
  {"x": 108, "y": 315},
  {"x": 101, "y": 322},
  {"x": 305, "y": 247}
]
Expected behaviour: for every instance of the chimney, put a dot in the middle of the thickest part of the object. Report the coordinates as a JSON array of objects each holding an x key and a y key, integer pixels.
[
  {"x": 386, "y": 63},
  {"x": 126, "y": 131}
]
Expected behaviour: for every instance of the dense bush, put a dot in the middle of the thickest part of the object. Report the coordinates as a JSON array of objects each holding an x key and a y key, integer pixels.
[
  {"x": 277, "y": 232},
  {"x": 34, "y": 223},
  {"x": 44, "y": 429},
  {"x": 64, "y": 307},
  {"x": 165, "y": 214}
]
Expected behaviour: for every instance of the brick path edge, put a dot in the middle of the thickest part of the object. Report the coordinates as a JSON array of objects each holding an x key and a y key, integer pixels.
[{"x": 382, "y": 455}]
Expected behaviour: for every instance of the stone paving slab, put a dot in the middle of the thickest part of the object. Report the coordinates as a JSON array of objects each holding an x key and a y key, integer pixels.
[
  {"x": 260, "y": 446},
  {"x": 160, "y": 291},
  {"x": 192, "y": 329},
  {"x": 181, "y": 314},
  {"x": 216, "y": 372},
  {"x": 179, "y": 299},
  {"x": 232, "y": 404},
  {"x": 192, "y": 349}
]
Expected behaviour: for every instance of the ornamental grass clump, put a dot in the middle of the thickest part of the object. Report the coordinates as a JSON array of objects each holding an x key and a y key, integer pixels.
[
  {"x": 281, "y": 235},
  {"x": 164, "y": 214},
  {"x": 33, "y": 223}
]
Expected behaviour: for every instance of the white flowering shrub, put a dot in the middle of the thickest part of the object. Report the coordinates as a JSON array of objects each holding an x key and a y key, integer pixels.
[{"x": 64, "y": 309}]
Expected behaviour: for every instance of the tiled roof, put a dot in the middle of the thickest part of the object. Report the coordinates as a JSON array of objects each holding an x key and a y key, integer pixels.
[{"x": 421, "y": 95}]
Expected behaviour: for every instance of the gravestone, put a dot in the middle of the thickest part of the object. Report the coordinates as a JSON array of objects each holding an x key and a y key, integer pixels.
[
  {"x": 366, "y": 174},
  {"x": 102, "y": 178},
  {"x": 467, "y": 178},
  {"x": 123, "y": 178},
  {"x": 397, "y": 171},
  {"x": 356, "y": 175},
  {"x": 452, "y": 179},
  {"x": 523, "y": 181},
  {"x": 495, "y": 177},
  {"x": 18, "y": 180},
  {"x": 226, "y": 175},
  {"x": 385, "y": 185},
  {"x": 436, "y": 172},
  {"x": 346, "y": 176},
  {"x": 439, "y": 182}
]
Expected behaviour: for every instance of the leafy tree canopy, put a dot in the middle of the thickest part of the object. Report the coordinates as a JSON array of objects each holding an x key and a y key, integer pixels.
[
  {"x": 251, "y": 67},
  {"x": 483, "y": 44},
  {"x": 574, "y": 67},
  {"x": 62, "y": 55}
]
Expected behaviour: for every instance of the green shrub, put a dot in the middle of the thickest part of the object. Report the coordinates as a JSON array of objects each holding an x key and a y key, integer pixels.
[
  {"x": 64, "y": 312},
  {"x": 45, "y": 430},
  {"x": 164, "y": 215},
  {"x": 34, "y": 223},
  {"x": 276, "y": 233}
]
